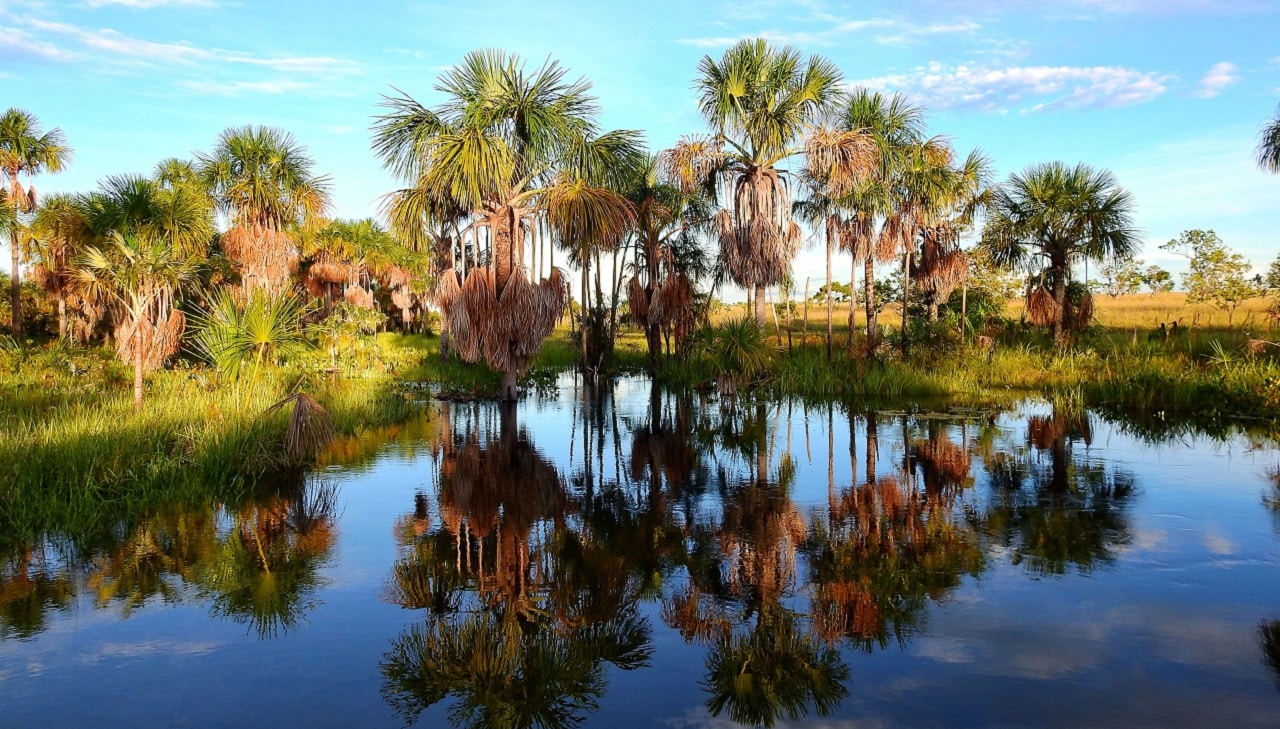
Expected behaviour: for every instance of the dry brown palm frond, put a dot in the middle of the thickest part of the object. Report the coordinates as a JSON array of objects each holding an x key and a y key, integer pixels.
[
  {"x": 472, "y": 307},
  {"x": 447, "y": 289},
  {"x": 638, "y": 302},
  {"x": 895, "y": 235},
  {"x": 310, "y": 427},
  {"x": 159, "y": 343},
  {"x": 856, "y": 236},
  {"x": 396, "y": 277},
  {"x": 264, "y": 256},
  {"x": 328, "y": 270},
  {"x": 358, "y": 296},
  {"x": 939, "y": 273},
  {"x": 402, "y": 298},
  {"x": 673, "y": 303},
  {"x": 1041, "y": 308},
  {"x": 1078, "y": 316},
  {"x": 692, "y": 161},
  {"x": 840, "y": 160}
]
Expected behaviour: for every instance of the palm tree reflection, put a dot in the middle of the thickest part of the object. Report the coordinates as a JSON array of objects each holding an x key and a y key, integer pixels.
[
  {"x": 1073, "y": 512},
  {"x": 525, "y": 607}
]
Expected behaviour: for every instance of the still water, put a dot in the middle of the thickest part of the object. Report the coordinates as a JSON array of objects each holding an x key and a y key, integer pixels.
[{"x": 624, "y": 557}]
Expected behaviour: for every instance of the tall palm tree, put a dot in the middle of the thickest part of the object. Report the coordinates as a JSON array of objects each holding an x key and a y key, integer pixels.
[
  {"x": 142, "y": 277},
  {"x": 25, "y": 148},
  {"x": 510, "y": 148},
  {"x": 1054, "y": 215},
  {"x": 871, "y": 198},
  {"x": 661, "y": 294},
  {"x": 262, "y": 179},
  {"x": 58, "y": 233},
  {"x": 759, "y": 100},
  {"x": 1269, "y": 145}
]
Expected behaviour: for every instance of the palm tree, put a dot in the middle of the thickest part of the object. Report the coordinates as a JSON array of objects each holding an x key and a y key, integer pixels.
[
  {"x": 1269, "y": 145},
  {"x": 871, "y": 198},
  {"x": 142, "y": 277},
  {"x": 263, "y": 180},
  {"x": 661, "y": 294},
  {"x": 177, "y": 217},
  {"x": 27, "y": 149},
  {"x": 1054, "y": 215},
  {"x": 509, "y": 148},
  {"x": 59, "y": 231},
  {"x": 758, "y": 100}
]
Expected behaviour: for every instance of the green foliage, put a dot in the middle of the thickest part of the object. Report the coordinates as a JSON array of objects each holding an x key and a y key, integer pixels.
[
  {"x": 739, "y": 348},
  {"x": 1121, "y": 275},
  {"x": 343, "y": 330},
  {"x": 1157, "y": 279},
  {"x": 1217, "y": 275},
  {"x": 264, "y": 329},
  {"x": 840, "y": 293}
]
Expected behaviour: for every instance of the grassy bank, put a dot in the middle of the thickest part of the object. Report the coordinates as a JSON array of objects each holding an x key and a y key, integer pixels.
[{"x": 74, "y": 451}]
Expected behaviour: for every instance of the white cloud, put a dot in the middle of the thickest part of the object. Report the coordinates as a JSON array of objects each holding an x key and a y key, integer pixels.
[
  {"x": 834, "y": 29},
  {"x": 148, "y": 4},
  {"x": 1218, "y": 78},
  {"x": 1023, "y": 88},
  {"x": 119, "y": 45},
  {"x": 18, "y": 43},
  {"x": 239, "y": 88}
]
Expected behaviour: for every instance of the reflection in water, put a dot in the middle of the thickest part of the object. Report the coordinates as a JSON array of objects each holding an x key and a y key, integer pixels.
[
  {"x": 254, "y": 563},
  {"x": 31, "y": 585},
  {"x": 1052, "y": 509},
  {"x": 532, "y": 578},
  {"x": 525, "y": 607},
  {"x": 537, "y": 579},
  {"x": 1269, "y": 638},
  {"x": 263, "y": 572},
  {"x": 889, "y": 546}
]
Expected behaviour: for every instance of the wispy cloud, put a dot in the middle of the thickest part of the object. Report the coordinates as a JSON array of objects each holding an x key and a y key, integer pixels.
[
  {"x": 118, "y": 45},
  {"x": 21, "y": 45},
  {"x": 240, "y": 88},
  {"x": 893, "y": 32},
  {"x": 148, "y": 4},
  {"x": 1218, "y": 78},
  {"x": 1023, "y": 88}
]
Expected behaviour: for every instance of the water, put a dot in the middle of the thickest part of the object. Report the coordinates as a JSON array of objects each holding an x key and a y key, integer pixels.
[{"x": 626, "y": 558}]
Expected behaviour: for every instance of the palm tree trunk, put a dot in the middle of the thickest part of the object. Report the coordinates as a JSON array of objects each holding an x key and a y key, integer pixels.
[
  {"x": 761, "y": 317},
  {"x": 1059, "y": 298},
  {"x": 137, "y": 368},
  {"x": 831, "y": 244},
  {"x": 62, "y": 316},
  {"x": 906, "y": 297},
  {"x": 15, "y": 288},
  {"x": 869, "y": 292}
]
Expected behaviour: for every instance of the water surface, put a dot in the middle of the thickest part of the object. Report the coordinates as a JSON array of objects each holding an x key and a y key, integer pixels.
[{"x": 631, "y": 558}]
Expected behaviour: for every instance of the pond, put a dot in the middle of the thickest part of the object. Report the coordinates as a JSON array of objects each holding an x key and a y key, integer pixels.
[{"x": 627, "y": 557}]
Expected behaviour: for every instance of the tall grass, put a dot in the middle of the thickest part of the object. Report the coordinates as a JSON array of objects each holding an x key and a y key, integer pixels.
[{"x": 74, "y": 452}]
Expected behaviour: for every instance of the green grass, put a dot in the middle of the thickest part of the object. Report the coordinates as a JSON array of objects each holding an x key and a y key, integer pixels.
[{"x": 74, "y": 452}]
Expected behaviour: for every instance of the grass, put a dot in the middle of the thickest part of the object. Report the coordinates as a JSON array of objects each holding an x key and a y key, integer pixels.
[{"x": 74, "y": 452}]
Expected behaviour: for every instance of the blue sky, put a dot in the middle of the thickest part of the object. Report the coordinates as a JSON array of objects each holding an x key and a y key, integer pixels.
[{"x": 1168, "y": 94}]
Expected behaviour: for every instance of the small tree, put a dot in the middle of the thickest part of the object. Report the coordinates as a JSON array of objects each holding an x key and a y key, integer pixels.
[
  {"x": 1272, "y": 280},
  {"x": 1121, "y": 275},
  {"x": 1218, "y": 275},
  {"x": 1157, "y": 279},
  {"x": 840, "y": 293}
]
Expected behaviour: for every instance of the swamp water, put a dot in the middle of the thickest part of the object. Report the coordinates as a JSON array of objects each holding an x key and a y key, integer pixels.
[{"x": 629, "y": 558}]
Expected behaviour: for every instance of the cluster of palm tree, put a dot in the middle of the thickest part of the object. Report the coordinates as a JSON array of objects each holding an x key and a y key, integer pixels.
[
  {"x": 130, "y": 261},
  {"x": 512, "y": 167}
]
